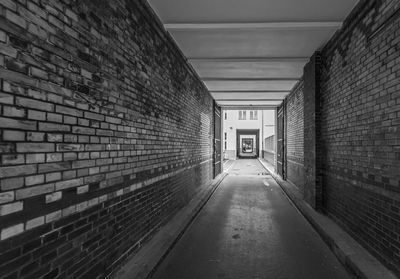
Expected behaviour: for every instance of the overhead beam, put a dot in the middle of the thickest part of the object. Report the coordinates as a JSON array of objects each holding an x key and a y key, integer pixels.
[
  {"x": 249, "y": 79},
  {"x": 250, "y": 100},
  {"x": 249, "y": 59},
  {"x": 249, "y": 91},
  {"x": 248, "y": 107},
  {"x": 250, "y": 85},
  {"x": 251, "y": 95},
  {"x": 248, "y": 104},
  {"x": 252, "y": 91},
  {"x": 246, "y": 96},
  {"x": 246, "y": 26}
]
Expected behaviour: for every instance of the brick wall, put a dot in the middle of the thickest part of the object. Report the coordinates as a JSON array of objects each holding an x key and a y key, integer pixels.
[
  {"x": 313, "y": 176},
  {"x": 356, "y": 128},
  {"x": 360, "y": 101},
  {"x": 103, "y": 127},
  {"x": 294, "y": 139}
]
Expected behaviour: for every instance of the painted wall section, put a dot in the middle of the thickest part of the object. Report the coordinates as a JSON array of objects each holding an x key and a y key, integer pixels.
[{"x": 265, "y": 123}]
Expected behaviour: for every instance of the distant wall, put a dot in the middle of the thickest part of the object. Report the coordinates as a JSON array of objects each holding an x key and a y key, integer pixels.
[{"x": 232, "y": 123}]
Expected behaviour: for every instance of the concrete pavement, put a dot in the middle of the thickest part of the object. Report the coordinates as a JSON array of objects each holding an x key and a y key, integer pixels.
[
  {"x": 249, "y": 229},
  {"x": 350, "y": 253}
]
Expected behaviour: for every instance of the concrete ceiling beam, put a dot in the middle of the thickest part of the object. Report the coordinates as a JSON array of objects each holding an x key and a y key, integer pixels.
[
  {"x": 249, "y": 59},
  {"x": 249, "y": 79},
  {"x": 252, "y": 26}
]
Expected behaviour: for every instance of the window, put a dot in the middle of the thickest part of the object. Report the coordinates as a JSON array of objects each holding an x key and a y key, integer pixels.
[
  {"x": 225, "y": 116},
  {"x": 225, "y": 145},
  {"x": 242, "y": 115},
  {"x": 225, "y": 135},
  {"x": 253, "y": 115}
]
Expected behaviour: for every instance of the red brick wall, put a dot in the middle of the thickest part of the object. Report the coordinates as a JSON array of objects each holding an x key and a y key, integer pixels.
[
  {"x": 103, "y": 127},
  {"x": 294, "y": 139},
  {"x": 360, "y": 120}
]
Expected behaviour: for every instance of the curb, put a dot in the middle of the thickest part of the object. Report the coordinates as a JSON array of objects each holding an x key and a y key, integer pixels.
[
  {"x": 357, "y": 260},
  {"x": 143, "y": 264}
]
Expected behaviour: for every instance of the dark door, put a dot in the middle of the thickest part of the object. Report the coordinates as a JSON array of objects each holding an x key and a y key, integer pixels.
[
  {"x": 280, "y": 154},
  {"x": 217, "y": 141}
]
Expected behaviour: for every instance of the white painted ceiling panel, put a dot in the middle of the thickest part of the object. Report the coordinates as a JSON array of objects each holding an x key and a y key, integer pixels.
[
  {"x": 251, "y": 43},
  {"x": 249, "y": 95},
  {"x": 251, "y": 51},
  {"x": 205, "y": 11},
  {"x": 249, "y": 103},
  {"x": 248, "y": 68},
  {"x": 250, "y": 85}
]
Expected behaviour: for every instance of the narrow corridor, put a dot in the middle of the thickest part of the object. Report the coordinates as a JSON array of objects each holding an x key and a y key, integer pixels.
[
  {"x": 116, "y": 116},
  {"x": 249, "y": 229}
]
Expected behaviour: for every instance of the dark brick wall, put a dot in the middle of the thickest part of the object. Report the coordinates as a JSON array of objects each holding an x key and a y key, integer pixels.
[
  {"x": 352, "y": 136},
  {"x": 360, "y": 120},
  {"x": 294, "y": 139},
  {"x": 105, "y": 133},
  {"x": 313, "y": 169}
]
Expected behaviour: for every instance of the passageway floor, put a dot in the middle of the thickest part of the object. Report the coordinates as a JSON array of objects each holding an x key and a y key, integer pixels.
[{"x": 249, "y": 229}]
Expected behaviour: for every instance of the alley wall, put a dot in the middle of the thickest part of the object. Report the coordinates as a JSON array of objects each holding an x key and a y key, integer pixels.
[
  {"x": 354, "y": 172},
  {"x": 105, "y": 130}
]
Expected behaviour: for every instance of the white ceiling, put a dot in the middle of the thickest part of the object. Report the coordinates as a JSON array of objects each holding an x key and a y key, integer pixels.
[{"x": 250, "y": 52}]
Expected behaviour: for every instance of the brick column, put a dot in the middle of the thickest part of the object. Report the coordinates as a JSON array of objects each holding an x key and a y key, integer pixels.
[{"x": 313, "y": 190}]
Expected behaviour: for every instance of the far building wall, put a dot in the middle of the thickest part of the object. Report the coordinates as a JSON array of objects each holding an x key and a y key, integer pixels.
[{"x": 233, "y": 120}]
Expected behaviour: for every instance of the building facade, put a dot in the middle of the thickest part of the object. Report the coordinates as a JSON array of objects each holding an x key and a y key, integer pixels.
[{"x": 245, "y": 131}]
